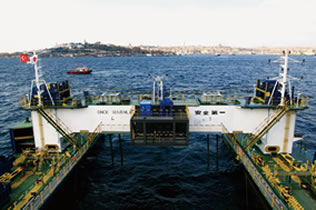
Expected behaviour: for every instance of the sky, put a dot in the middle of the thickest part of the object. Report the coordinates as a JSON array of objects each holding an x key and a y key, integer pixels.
[{"x": 37, "y": 24}]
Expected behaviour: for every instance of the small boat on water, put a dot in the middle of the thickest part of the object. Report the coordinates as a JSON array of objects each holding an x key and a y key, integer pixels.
[{"x": 80, "y": 70}]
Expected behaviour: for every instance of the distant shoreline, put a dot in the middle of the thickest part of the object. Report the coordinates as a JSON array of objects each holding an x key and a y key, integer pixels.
[{"x": 102, "y": 50}]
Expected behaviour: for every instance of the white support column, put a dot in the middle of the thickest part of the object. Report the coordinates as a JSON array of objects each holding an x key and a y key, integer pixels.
[
  {"x": 154, "y": 92},
  {"x": 161, "y": 89},
  {"x": 284, "y": 78},
  {"x": 37, "y": 81}
]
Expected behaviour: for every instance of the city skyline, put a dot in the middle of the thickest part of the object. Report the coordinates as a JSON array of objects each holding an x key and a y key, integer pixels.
[{"x": 39, "y": 24}]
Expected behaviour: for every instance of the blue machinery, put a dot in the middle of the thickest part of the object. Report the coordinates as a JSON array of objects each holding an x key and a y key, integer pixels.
[{"x": 160, "y": 124}]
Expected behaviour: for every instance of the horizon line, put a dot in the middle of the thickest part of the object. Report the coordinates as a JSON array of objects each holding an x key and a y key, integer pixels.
[{"x": 166, "y": 46}]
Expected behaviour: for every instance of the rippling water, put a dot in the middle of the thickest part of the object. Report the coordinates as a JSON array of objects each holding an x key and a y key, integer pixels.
[{"x": 156, "y": 177}]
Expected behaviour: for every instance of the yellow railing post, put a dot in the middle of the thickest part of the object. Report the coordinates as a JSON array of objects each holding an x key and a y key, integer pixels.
[
  {"x": 24, "y": 101},
  {"x": 187, "y": 110},
  {"x": 302, "y": 101}
]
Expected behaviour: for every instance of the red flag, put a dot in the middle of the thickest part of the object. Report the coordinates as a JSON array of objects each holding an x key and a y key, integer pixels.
[{"x": 24, "y": 58}]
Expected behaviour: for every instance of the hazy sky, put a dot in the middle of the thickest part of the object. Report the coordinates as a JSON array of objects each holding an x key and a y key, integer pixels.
[{"x": 35, "y": 24}]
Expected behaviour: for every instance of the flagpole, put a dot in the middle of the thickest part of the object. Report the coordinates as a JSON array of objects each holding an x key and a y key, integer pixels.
[
  {"x": 284, "y": 78},
  {"x": 33, "y": 60},
  {"x": 37, "y": 81}
]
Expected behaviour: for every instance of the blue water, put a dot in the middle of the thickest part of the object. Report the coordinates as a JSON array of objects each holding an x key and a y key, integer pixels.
[{"x": 156, "y": 177}]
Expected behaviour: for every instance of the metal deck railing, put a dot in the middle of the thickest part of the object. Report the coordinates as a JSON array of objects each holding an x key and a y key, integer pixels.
[
  {"x": 264, "y": 126},
  {"x": 222, "y": 97},
  {"x": 58, "y": 124}
]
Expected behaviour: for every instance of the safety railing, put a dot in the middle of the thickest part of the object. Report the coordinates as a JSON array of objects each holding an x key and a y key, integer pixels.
[
  {"x": 175, "y": 113},
  {"x": 264, "y": 126},
  {"x": 298, "y": 102},
  {"x": 27, "y": 199},
  {"x": 230, "y": 136},
  {"x": 24, "y": 102},
  {"x": 301, "y": 101},
  {"x": 58, "y": 124},
  {"x": 213, "y": 97},
  {"x": 95, "y": 133},
  {"x": 220, "y": 99}
]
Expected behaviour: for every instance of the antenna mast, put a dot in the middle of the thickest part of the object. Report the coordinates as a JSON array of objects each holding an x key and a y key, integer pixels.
[
  {"x": 283, "y": 75},
  {"x": 33, "y": 60},
  {"x": 284, "y": 78},
  {"x": 157, "y": 80}
]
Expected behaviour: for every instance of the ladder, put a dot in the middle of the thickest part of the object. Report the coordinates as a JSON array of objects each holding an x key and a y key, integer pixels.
[
  {"x": 92, "y": 136},
  {"x": 230, "y": 136},
  {"x": 265, "y": 126},
  {"x": 58, "y": 125}
]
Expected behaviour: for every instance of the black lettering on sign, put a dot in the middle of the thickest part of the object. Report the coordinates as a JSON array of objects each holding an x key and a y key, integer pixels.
[
  {"x": 102, "y": 112},
  {"x": 197, "y": 112},
  {"x": 205, "y": 113},
  {"x": 119, "y": 112}
]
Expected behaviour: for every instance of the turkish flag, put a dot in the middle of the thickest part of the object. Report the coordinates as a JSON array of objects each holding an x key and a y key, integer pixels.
[{"x": 24, "y": 58}]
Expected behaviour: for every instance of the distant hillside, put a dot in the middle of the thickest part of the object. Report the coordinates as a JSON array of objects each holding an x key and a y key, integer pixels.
[
  {"x": 91, "y": 50},
  {"x": 109, "y": 50}
]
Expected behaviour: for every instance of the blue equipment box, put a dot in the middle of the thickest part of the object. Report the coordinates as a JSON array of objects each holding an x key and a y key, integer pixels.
[{"x": 145, "y": 108}]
